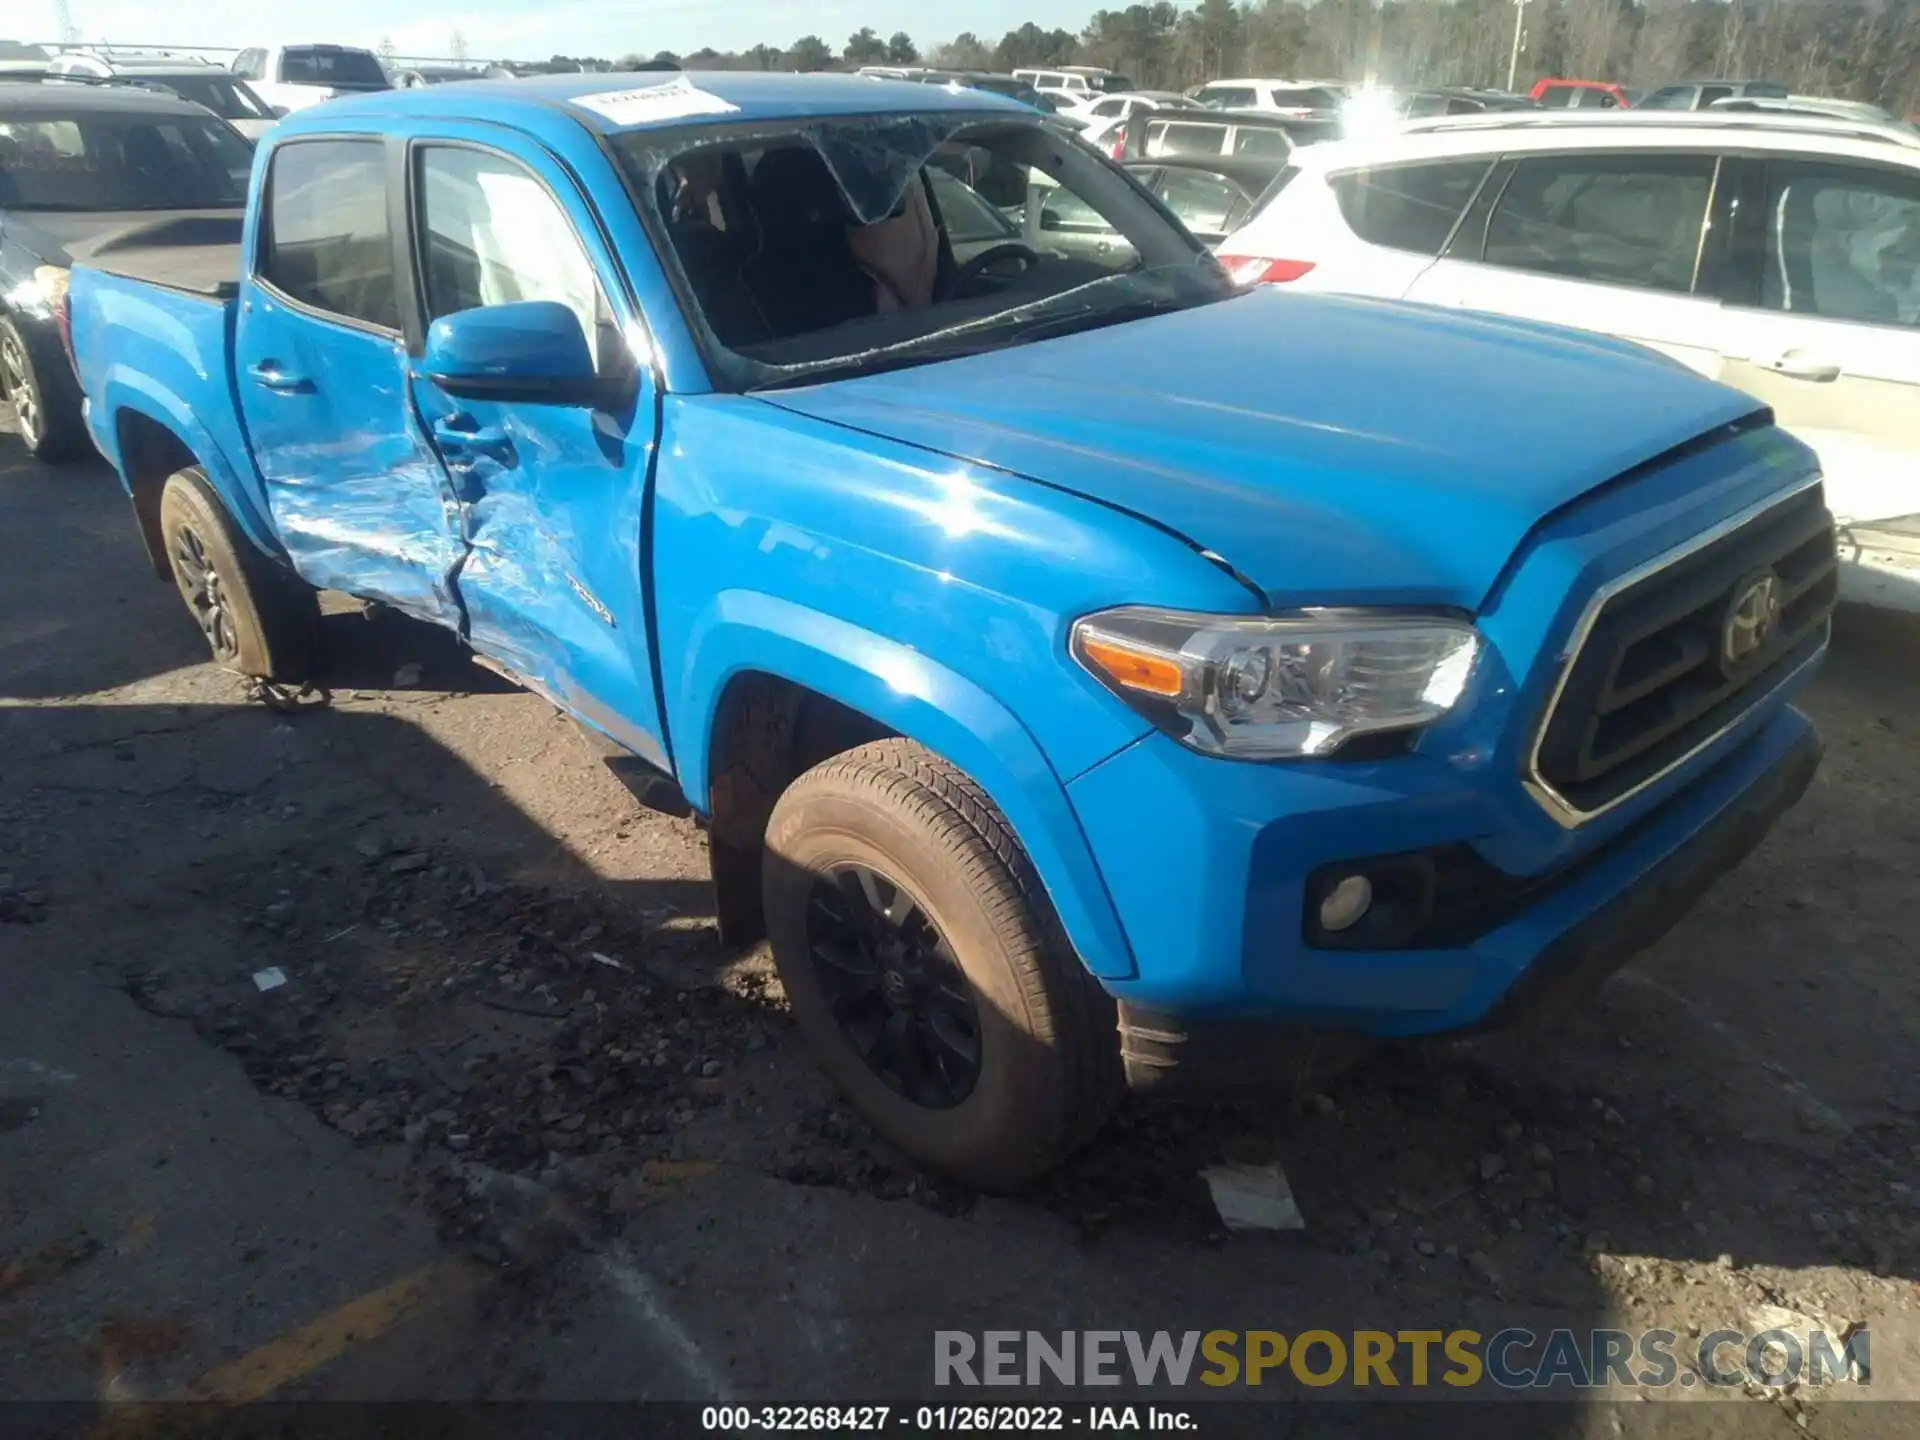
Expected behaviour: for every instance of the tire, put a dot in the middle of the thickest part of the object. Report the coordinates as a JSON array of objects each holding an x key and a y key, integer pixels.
[
  {"x": 258, "y": 619},
  {"x": 45, "y": 396},
  {"x": 1047, "y": 1071}
]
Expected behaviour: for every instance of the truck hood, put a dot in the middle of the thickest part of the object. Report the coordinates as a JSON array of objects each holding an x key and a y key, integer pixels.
[{"x": 1332, "y": 450}]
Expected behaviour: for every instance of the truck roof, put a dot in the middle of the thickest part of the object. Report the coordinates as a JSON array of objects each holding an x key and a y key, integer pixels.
[
  {"x": 72, "y": 94},
  {"x": 656, "y": 99}
]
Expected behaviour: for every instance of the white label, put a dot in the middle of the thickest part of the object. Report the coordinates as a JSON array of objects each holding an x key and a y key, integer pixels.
[{"x": 675, "y": 100}]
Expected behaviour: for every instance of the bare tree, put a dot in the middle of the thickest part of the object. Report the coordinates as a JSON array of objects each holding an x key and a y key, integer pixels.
[
  {"x": 1661, "y": 49},
  {"x": 1594, "y": 37}
]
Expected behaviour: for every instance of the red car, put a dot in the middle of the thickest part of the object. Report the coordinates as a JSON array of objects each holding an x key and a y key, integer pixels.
[{"x": 1558, "y": 94}]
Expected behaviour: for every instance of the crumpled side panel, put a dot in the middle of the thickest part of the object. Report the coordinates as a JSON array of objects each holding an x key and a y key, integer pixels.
[
  {"x": 360, "y": 499},
  {"x": 380, "y": 537},
  {"x": 551, "y": 583},
  {"x": 528, "y": 609},
  {"x": 515, "y": 573}
]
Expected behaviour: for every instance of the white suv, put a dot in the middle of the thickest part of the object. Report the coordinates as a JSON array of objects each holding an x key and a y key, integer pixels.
[
  {"x": 1076, "y": 82},
  {"x": 1281, "y": 97},
  {"x": 1777, "y": 253}
]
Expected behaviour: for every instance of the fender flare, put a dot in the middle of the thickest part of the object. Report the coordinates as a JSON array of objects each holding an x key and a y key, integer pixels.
[
  {"x": 921, "y": 699},
  {"x": 127, "y": 391}
]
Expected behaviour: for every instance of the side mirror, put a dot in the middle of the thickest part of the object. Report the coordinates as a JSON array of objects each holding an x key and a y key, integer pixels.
[
  {"x": 280, "y": 112},
  {"x": 531, "y": 351},
  {"x": 1050, "y": 220}
]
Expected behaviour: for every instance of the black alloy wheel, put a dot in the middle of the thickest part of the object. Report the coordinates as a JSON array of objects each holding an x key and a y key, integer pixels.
[
  {"x": 928, "y": 971},
  {"x": 206, "y": 596},
  {"x": 893, "y": 986},
  {"x": 18, "y": 384}
]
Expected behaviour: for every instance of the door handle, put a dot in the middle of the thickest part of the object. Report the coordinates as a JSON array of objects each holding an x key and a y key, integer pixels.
[
  {"x": 270, "y": 376},
  {"x": 1797, "y": 365},
  {"x": 461, "y": 445}
]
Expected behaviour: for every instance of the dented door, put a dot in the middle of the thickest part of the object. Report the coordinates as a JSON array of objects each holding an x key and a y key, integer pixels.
[
  {"x": 552, "y": 497},
  {"x": 359, "y": 497}
]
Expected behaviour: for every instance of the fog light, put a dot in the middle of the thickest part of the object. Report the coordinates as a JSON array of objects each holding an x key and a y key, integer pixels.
[{"x": 1346, "y": 904}]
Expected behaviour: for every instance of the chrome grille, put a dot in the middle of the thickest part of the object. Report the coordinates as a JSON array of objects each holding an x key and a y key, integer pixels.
[{"x": 1672, "y": 655}]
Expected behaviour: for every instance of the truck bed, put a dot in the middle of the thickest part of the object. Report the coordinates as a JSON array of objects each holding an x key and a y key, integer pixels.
[
  {"x": 152, "y": 328},
  {"x": 198, "y": 254}
]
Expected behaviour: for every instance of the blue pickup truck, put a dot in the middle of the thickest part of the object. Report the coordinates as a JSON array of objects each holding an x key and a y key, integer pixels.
[{"x": 1090, "y": 674}]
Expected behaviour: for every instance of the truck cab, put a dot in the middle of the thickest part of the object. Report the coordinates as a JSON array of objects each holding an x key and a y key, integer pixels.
[
  {"x": 292, "y": 77},
  {"x": 1090, "y": 673}
]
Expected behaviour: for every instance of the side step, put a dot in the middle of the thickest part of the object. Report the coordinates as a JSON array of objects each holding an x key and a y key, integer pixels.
[{"x": 651, "y": 785}]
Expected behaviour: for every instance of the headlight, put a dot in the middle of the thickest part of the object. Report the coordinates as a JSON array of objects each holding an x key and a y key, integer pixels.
[
  {"x": 1269, "y": 689},
  {"x": 54, "y": 280}
]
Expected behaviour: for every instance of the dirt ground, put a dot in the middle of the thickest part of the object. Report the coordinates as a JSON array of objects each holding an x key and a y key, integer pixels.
[{"x": 512, "y": 1128}]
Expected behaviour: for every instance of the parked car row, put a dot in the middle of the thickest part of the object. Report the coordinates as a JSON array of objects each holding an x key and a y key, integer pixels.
[
  {"x": 217, "y": 89},
  {"x": 1299, "y": 98},
  {"x": 1076, "y": 82},
  {"x": 1564, "y": 94},
  {"x": 1815, "y": 310},
  {"x": 1561, "y": 93},
  {"x": 1151, "y": 134}
]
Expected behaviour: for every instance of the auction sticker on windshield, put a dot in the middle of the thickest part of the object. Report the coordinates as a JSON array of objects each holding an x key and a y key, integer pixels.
[{"x": 675, "y": 100}]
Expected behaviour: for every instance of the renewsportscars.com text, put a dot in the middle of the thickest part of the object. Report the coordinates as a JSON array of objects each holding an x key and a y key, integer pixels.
[{"x": 1511, "y": 1359}]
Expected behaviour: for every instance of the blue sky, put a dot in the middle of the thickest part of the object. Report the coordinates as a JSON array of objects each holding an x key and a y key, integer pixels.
[{"x": 523, "y": 29}]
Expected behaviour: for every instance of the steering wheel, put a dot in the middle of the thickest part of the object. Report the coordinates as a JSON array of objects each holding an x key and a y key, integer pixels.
[{"x": 991, "y": 256}]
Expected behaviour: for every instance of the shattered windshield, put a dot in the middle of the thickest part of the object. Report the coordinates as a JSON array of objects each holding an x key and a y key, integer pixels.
[{"x": 808, "y": 249}]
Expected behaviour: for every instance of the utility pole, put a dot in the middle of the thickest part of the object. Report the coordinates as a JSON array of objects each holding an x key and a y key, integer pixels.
[
  {"x": 63, "y": 22},
  {"x": 1513, "y": 56}
]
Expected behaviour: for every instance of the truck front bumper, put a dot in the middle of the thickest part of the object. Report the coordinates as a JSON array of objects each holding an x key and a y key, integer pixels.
[{"x": 1219, "y": 973}]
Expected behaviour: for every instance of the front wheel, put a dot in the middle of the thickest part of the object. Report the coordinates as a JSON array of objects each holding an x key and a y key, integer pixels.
[
  {"x": 926, "y": 966},
  {"x": 257, "y": 619},
  {"x": 45, "y": 396}
]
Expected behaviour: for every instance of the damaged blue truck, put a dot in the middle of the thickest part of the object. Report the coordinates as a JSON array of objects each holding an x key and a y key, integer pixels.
[{"x": 1090, "y": 675}]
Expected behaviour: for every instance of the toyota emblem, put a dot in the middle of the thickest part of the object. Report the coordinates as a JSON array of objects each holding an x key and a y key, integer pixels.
[{"x": 1750, "y": 623}]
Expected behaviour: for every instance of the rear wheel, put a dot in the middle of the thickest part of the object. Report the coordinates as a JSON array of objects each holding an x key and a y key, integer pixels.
[
  {"x": 925, "y": 964},
  {"x": 45, "y": 396},
  {"x": 257, "y": 619}
]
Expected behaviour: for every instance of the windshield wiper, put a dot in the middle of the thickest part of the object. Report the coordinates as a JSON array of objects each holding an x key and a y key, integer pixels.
[
  {"x": 1036, "y": 320},
  {"x": 893, "y": 357},
  {"x": 1101, "y": 316}
]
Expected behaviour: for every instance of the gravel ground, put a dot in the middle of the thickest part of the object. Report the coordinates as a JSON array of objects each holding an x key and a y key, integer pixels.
[{"x": 506, "y": 1040}]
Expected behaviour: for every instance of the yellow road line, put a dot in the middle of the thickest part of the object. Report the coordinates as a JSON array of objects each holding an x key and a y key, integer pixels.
[{"x": 278, "y": 1363}]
